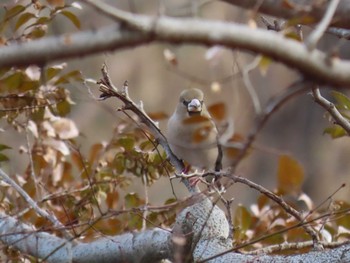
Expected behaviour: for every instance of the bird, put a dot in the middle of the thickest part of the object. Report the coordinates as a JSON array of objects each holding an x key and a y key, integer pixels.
[{"x": 191, "y": 132}]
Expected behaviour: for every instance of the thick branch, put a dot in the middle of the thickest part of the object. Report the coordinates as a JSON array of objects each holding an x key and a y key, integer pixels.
[
  {"x": 147, "y": 246},
  {"x": 4, "y": 177},
  {"x": 296, "y": 9},
  {"x": 315, "y": 65}
]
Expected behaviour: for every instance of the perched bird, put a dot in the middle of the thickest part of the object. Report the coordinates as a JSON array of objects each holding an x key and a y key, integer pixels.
[{"x": 192, "y": 135}]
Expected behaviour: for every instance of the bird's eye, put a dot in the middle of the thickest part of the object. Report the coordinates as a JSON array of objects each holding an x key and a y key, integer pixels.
[{"x": 185, "y": 102}]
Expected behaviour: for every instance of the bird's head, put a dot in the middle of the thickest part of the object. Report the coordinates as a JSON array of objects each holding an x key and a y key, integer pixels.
[{"x": 192, "y": 100}]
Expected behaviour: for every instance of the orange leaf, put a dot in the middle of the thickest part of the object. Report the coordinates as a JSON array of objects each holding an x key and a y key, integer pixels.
[
  {"x": 158, "y": 115},
  {"x": 218, "y": 111},
  {"x": 287, "y": 4},
  {"x": 95, "y": 151},
  {"x": 290, "y": 176},
  {"x": 264, "y": 64},
  {"x": 232, "y": 152}
]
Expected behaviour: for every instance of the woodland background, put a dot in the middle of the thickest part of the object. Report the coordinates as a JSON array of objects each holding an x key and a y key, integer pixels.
[{"x": 297, "y": 129}]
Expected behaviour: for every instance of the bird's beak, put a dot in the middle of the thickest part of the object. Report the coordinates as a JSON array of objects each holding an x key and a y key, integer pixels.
[{"x": 195, "y": 106}]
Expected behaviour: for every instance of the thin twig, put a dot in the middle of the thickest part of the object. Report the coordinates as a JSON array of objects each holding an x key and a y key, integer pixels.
[
  {"x": 339, "y": 32},
  {"x": 32, "y": 170},
  {"x": 33, "y": 204},
  {"x": 294, "y": 246},
  {"x": 258, "y": 239},
  {"x": 227, "y": 204},
  {"x": 296, "y": 88},
  {"x": 145, "y": 213},
  {"x": 277, "y": 199},
  {"x": 333, "y": 111},
  {"x": 315, "y": 36},
  {"x": 248, "y": 84}
]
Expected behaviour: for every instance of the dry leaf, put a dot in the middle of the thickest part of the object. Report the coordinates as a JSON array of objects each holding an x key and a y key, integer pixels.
[
  {"x": 31, "y": 126},
  {"x": 290, "y": 175},
  {"x": 65, "y": 128},
  {"x": 170, "y": 57},
  {"x": 218, "y": 111},
  {"x": 57, "y": 145}
]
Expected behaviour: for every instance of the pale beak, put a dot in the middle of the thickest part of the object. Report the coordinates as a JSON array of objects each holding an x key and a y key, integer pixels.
[{"x": 195, "y": 106}]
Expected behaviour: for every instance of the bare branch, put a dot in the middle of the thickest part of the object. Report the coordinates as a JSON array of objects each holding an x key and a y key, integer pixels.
[
  {"x": 296, "y": 88},
  {"x": 339, "y": 32},
  {"x": 152, "y": 245},
  {"x": 277, "y": 199},
  {"x": 317, "y": 33},
  {"x": 32, "y": 203},
  {"x": 289, "y": 9},
  {"x": 294, "y": 246},
  {"x": 315, "y": 65},
  {"x": 333, "y": 111}
]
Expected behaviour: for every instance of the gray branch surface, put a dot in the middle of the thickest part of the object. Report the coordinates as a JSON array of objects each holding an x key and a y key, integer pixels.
[
  {"x": 289, "y": 9},
  {"x": 139, "y": 30},
  {"x": 203, "y": 224},
  {"x": 206, "y": 222}
]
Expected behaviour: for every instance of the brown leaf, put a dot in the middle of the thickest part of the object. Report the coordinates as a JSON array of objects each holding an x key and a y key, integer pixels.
[
  {"x": 170, "y": 57},
  {"x": 65, "y": 128},
  {"x": 290, "y": 176},
  {"x": 218, "y": 111},
  {"x": 232, "y": 152},
  {"x": 157, "y": 115}
]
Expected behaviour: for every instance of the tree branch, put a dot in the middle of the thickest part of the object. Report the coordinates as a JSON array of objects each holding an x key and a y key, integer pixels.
[
  {"x": 315, "y": 36},
  {"x": 333, "y": 111},
  {"x": 315, "y": 65},
  {"x": 289, "y": 9},
  {"x": 150, "y": 245},
  {"x": 33, "y": 204}
]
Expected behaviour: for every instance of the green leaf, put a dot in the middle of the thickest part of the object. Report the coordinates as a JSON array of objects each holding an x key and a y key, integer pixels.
[
  {"x": 13, "y": 81},
  {"x": 63, "y": 108},
  {"x": 119, "y": 163},
  {"x": 343, "y": 102},
  {"x": 290, "y": 175},
  {"x": 75, "y": 75},
  {"x": 23, "y": 19},
  {"x": 264, "y": 64},
  {"x": 127, "y": 143},
  {"x": 37, "y": 32},
  {"x": 170, "y": 201},
  {"x": 132, "y": 200},
  {"x": 3, "y": 158},
  {"x": 242, "y": 218},
  {"x": 304, "y": 20},
  {"x": 4, "y": 147},
  {"x": 72, "y": 17},
  {"x": 335, "y": 131},
  {"x": 14, "y": 11},
  {"x": 44, "y": 20},
  {"x": 52, "y": 72}
]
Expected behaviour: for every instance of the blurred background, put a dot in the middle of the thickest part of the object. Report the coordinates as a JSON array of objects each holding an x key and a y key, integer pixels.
[{"x": 295, "y": 129}]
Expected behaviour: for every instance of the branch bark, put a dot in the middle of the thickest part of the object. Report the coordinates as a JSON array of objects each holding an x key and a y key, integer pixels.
[
  {"x": 150, "y": 245},
  {"x": 315, "y": 65},
  {"x": 297, "y": 9}
]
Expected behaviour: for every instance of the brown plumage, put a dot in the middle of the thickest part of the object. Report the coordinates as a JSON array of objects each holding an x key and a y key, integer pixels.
[{"x": 192, "y": 135}]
